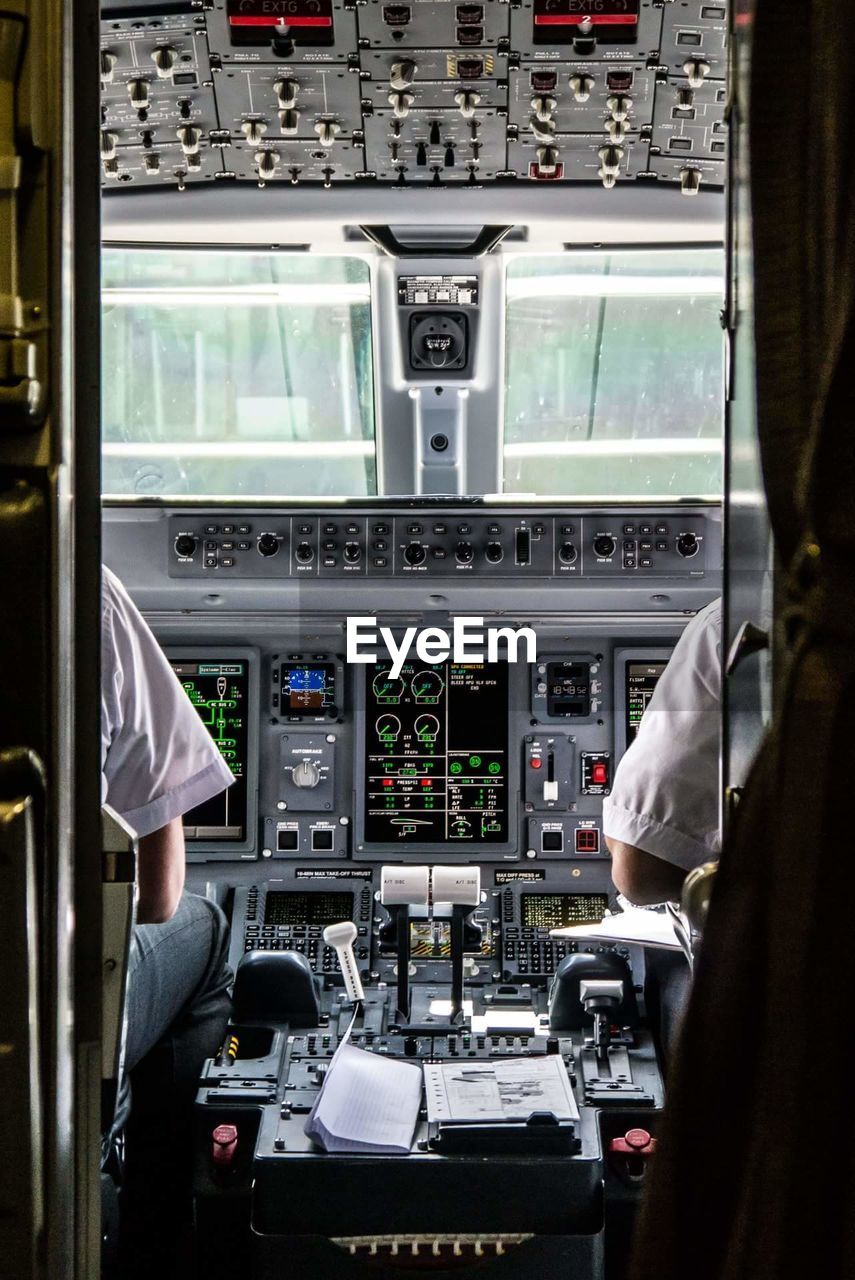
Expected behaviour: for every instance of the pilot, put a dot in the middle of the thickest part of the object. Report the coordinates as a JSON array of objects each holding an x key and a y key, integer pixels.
[
  {"x": 662, "y": 817},
  {"x": 158, "y": 761}
]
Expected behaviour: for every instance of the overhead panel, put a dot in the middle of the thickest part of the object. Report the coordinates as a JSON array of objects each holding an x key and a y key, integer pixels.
[{"x": 428, "y": 92}]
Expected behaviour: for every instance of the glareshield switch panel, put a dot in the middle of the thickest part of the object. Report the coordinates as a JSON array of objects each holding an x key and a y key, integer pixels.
[{"x": 434, "y": 542}]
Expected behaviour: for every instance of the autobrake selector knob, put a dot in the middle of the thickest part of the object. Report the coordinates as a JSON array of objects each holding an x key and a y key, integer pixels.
[
  {"x": 604, "y": 545},
  {"x": 268, "y": 544},
  {"x": 306, "y": 774},
  {"x": 688, "y": 545},
  {"x": 186, "y": 544}
]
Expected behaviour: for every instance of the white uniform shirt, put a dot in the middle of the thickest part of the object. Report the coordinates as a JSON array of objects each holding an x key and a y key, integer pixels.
[
  {"x": 157, "y": 758},
  {"x": 665, "y": 798}
]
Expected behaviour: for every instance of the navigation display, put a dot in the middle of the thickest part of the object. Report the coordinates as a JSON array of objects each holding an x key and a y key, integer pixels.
[
  {"x": 307, "y": 689},
  {"x": 641, "y": 681},
  {"x": 436, "y": 754},
  {"x": 219, "y": 692},
  {"x": 561, "y": 910}
]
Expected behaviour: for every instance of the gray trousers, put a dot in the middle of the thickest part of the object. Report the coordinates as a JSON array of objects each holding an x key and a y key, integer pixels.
[{"x": 177, "y": 1010}]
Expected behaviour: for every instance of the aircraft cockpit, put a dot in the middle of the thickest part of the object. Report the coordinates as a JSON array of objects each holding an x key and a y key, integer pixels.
[{"x": 414, "y": 370}]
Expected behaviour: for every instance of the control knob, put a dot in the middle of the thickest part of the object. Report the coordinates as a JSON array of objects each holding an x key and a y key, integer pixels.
[
  {"x": 415, "y": 553},
  {"x": 604, "y": 545},
  {"x": 494, "y": 552},
  {"x": 304, "y": 553},
  {"x": 696, "y": 70},
  {"x": 464, "y": 553},
  {"x": 327, "y": 131},
  {"x": 619, "y": 106},
  {"x": 581, "y": 87},
  {"x": 547, "y": 160},
  {"x": 189, "y": 137},
  {"x": 289, "y": 122},
  {"x": 186, "y": 544},
  {"x": 567, "y": 553},
  {"x": 152, "y": 162},
  {"x": 688, "y": 545},
  {"x": 286, "y": 92},
  {"x": 306, "y": 774},
  {"x": 352, "y": 553},
  {"x": 467, "y": 100},
  {"x": 138, "y": 94},
  {"x": 108, "y": 144},
  {"x": 543, "y": 130},
  {"x": 108, "y": 64},
  {"x": 402, "y": 74},
  {"x": 266, "y": 162},
  {"x": 543, "y": 107},
  {"x": 616, "y": 130},
  {"x": 400, "y": 103},
  {"x": 610, "y": 158},
  {"x": 164, "y": 60},
  {"x": 253, "y": 130},
  {"x": 268, "y": 544},
  {"x": 690, "y": 181}
]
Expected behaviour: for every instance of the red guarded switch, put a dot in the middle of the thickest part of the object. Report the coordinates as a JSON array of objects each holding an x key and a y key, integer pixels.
[
  {"x": 224, "y": 1141},
  {"x": 599, "y": 773}
]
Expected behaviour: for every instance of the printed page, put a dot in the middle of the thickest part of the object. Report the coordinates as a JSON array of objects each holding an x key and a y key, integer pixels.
[
  {"x": 367, "y": 1103},
  {"x": 510, "y": 1089}
]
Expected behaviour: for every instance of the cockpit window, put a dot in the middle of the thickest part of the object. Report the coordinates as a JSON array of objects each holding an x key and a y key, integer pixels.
[
  {"x": 614, "y": 374},
  {"x": 231, "y": 373}
]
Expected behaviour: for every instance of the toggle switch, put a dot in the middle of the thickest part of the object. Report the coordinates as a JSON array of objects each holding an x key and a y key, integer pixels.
[
  {"x": 616, "y": 130},
  {"x": 547, "y": 160},
  {"x": 289, "y": 122},
  {"x": 690, "y": 182},
  {"x": 543, "y": 130}
]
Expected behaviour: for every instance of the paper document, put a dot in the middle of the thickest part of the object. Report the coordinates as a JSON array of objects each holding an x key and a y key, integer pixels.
[
  {"x": 366, "y": 1104},
  {"x": 644, "y": 928},
  {"x": 469, "y": 1091}
]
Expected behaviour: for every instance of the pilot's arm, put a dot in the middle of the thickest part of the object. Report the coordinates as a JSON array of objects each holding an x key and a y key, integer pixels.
[
  {"x": 662, "y": 817},
  {"x": 157, "y": 758}
]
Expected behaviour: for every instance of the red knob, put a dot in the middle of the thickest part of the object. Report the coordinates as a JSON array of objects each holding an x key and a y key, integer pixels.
[{"x": 224, "y": 1140}]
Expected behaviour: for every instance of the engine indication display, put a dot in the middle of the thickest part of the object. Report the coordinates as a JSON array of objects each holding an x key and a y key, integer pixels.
[
  {"x": 316, "y": 909},
  {"x": 561, "y": 910},
  {"x": 219, "y": 692},
  {"x": 641, "y": 681},
  {"x": 436, "y": 755},
  {"x": 307, "y": 690}
]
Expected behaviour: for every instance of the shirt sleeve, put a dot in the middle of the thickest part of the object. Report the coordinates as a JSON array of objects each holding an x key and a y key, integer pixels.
[
  {"x": 665, "y": 798},
  {"x": 157, "y": 758}
]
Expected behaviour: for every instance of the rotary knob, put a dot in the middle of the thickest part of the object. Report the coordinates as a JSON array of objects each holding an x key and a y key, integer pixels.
[
  {"x": 138, "y": 94},
  {"x": 266, "y": 162},
  {"x": 268, "y": 544},
  {"x": 467, "y": 100},
  {"x": 543, "y": 106},
  {"x": 304, "y": 554},
  {"x": 494, "y": 552},
  {"x": 108, "y": 64},
  {"x": 464, "y": 553},
  {"x": 189, "y": 137},
  {"x": 253, "y": 130},
  {"x": 185, "y": 545},
  {"x": 581, "y": 87},
  {"x": 286, "y": 92},
  {"x": 696, "y": 70},
  {"x": 289, "y": 122},
  {"x": 327, "y": 131},
  {"x": 164, "y": 60},
  {"x": 402, "y": 74},
  {"x": 306, "y": 774},
  {"x": 567, "y": 553}
]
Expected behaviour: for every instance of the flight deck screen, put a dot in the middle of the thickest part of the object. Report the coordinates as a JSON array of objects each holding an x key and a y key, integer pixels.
[
  {"x": 561, "y": 910},
  {"x": 316, "y": 909},
  {"x": 641, "y": 681},
  {"x": 436, "y": 754},
  {"x": 219, "y": 692},
  {"x": 307, "y": 689}
]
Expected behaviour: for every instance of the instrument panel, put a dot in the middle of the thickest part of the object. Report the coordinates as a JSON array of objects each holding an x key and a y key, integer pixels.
[{"x": 423, "y": 93}]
